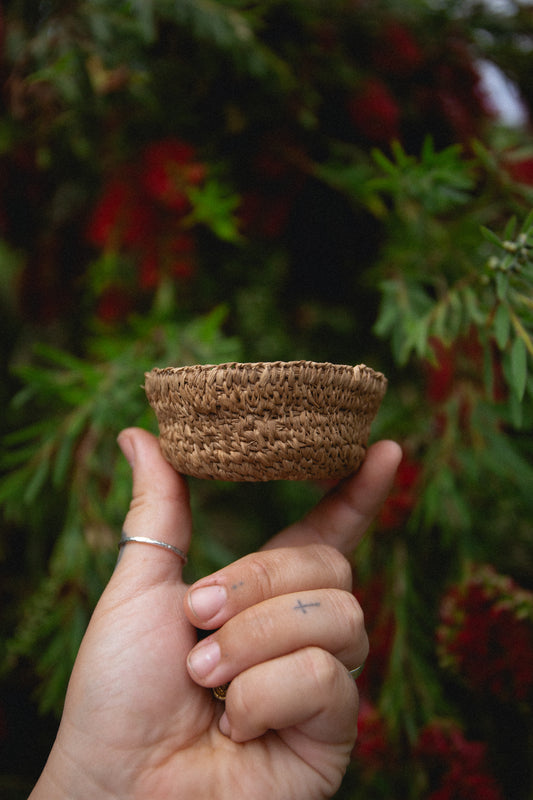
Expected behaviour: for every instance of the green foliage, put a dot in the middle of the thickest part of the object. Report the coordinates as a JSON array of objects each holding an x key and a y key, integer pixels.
[
  {"x": 214, "y": 206},
  {"x": 78, "y": 407},
  {"x": 215, "y": 180},
  {"x": 435, "y": 183},
  {"x": 494, "y": 298}
]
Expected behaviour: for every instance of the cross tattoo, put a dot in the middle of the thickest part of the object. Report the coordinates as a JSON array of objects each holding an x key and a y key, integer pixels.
[{"x": 304, "y": 606}]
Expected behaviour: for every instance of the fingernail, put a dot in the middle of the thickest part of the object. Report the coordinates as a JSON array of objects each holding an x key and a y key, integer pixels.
[
  {"x": 223, "y": 725},
  {"x": 206, "y": 601},
  {"x": 204, "y": 658},
  {"x": 126, "y": 445}
]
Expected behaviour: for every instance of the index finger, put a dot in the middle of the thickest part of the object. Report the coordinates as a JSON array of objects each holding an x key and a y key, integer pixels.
[{"x": 343, "y": 515}]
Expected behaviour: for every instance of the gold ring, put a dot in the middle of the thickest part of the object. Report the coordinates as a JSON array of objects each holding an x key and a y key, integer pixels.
[{"x": 220, "y": 691}]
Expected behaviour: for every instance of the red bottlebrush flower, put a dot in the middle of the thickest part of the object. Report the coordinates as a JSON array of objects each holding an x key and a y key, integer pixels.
[
  {"x": 278, "y": 167},
  {"x": 459, "y": 362},
  {"x": 268, "y": 165},
  {"x": 327, "y": 36},
  {"x": 521, "y": 171},
  {"x": 182, "y": 256},
  {"x": 458, "y": 372},
  {"x": 121, "y": 217},
  {"x": 136, "y": 216},
  {"x": 108, "y": 210},
  {"x": 380, "y": 625},
  {"x": 456, "y": 767},
  {"x": 403, "y": 496},
  {"x": 374, "y": 112},
  {"x": 372, "y": 749},
  {"x": 442, "y": 741},
  {"x": 459, "y": 785},
  {"x": 440, "y": 376},
  {"x": 397, "y": 53},
  {"x": 170, "y": 255},
  {"x": 149, "y": 268},
  {"x": 453, "y": 100},
  {"x": 169, "y": 170},
  {"x": 114, "y": 304},
  {"x": 263, "y": 215},
  {"x": 486, "y": 635},
  {"x": 458, "y": 114}
]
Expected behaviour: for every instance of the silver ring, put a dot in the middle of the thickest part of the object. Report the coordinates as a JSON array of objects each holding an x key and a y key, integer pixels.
[
  {"x": 356, "y": 671},
  {"x": 147, "y": 540}
]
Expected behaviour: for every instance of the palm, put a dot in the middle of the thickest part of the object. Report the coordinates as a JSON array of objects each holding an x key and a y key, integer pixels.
[{"x": 144, "y": 653}]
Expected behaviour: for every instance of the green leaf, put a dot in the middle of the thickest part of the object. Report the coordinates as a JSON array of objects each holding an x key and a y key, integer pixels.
[
  {"x": 214, "y": 205},
  {"x": 517, "y": 411},
  {"x": 27, "y": 434},
  {"x": 491, "y": 237},
  {"x": 421, "y": 338},
  {"x": 385, "y": 163},
  {"x": 488, "y": 372},
  {"x": 456, "y": 316},
  {"x": 388, "y": 315},
  {"x": 144, "y": 10},
  {"x": 502, "y": 286},
  {"x": 502, "y": 325},
  {"x": 510, "y": 229},
  {"x": 402, "y": 159},
  {"x": 12, "y": 487},
  {"x": 66, "y": 444},
  {"x": 519, "y": 367},
  {"x": 471, "y": 302},
  {"x": 63, "y": 359},
  {"x": 36, "y": 482},
  {"x": 439, "y": 320}
]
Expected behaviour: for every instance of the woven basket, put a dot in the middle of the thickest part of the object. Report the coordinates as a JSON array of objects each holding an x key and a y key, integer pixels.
[{"x": 292, "y": 420}]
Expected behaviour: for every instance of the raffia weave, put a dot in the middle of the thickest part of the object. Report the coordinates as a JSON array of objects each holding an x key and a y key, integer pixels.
[{"x": 265, "y": 421}]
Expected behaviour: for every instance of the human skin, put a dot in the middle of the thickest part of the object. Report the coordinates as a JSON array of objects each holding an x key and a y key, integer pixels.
[{"x": 140, "y": 721}]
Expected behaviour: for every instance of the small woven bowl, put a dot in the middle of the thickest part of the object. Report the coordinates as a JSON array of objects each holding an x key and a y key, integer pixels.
[{"x": 295, "y": 420}]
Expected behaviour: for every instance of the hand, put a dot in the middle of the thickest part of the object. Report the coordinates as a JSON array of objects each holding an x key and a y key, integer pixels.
[{"x": 139, "y": 720}]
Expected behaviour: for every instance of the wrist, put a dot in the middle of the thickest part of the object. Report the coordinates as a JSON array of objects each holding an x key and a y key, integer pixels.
[
  {"x": 64, "y": 778},
  {"x": 47, "y": 787}
]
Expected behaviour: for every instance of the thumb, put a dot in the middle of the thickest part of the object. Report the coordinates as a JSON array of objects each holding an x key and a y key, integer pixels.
[
  {"x": 341, "y": 518},
  {"x": 159, "y": 510}
]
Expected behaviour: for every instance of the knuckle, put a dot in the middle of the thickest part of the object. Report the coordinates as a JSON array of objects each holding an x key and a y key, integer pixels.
[
  {"x": 350, "y": 612},
  {"x": 352, "y": 624},
  {"x": 258, "y": 625},
  {"x": 321, "y": 667},
  {"x": 263, "y": 576},
  {"x": 358, "y": 617},
  {"x": 336, "y": 563},
  {"x": 359, "y": 633},
  {"x": 240, "y": 704}
]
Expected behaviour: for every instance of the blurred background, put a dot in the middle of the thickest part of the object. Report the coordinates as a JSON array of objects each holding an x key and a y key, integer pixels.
[{"x": 347, "y": 181}]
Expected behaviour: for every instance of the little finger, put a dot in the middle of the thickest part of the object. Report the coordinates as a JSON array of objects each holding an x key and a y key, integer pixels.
[{"x": 309, "y": 689}]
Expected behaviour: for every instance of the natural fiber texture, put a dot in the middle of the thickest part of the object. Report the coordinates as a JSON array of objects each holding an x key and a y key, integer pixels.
[{"x": 277, "y": 420}]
